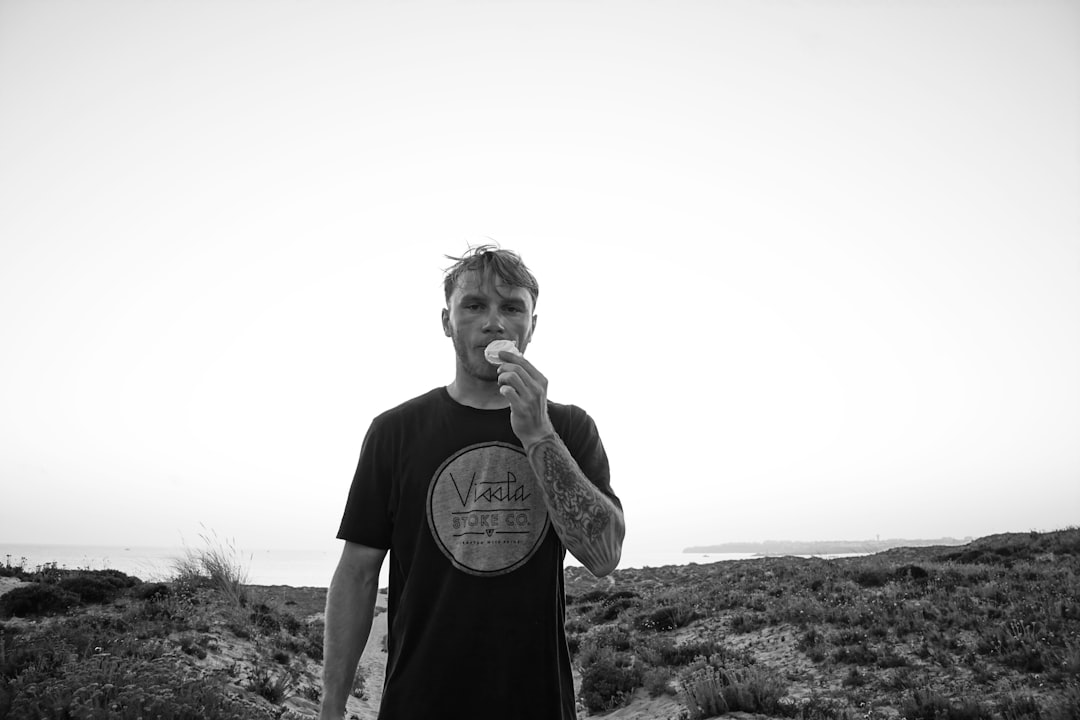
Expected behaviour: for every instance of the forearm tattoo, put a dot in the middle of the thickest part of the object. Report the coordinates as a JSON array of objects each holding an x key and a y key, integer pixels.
[{"x": 576, "y": 506}]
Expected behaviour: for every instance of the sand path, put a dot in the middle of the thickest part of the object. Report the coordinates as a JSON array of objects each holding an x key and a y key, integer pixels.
[{"x": 373, "y": 665}]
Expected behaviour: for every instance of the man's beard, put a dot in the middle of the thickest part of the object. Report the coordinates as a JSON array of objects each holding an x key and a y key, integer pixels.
[{"x": 477, "y": 367}]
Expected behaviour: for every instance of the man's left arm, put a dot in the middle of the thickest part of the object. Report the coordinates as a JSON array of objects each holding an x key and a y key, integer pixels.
[{"x": 587, "y": 521}]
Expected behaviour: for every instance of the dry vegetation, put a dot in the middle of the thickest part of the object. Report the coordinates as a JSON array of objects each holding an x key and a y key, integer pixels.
[
  {"x": 100, "y": 644},
  {"x": 986, "y": 630}
]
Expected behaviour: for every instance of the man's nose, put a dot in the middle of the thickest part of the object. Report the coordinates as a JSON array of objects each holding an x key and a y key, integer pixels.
[{"x": 494, "y": 321}]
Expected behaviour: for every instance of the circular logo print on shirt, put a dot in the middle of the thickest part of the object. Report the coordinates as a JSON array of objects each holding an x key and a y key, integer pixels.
[{"x": 485, "y": 510}]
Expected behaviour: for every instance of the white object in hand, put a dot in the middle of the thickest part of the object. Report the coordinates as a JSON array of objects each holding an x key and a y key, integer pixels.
[{"x": 491, "y": 352}]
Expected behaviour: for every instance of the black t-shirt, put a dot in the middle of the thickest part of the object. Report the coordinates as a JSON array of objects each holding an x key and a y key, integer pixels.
[{"x": 476, "y": 603}]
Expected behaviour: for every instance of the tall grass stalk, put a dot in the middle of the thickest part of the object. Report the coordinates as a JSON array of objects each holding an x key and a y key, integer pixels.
[{"x": 219, "y": 562}]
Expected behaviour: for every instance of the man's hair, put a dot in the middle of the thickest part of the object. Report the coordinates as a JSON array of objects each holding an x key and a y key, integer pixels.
[{"x": 489, "y": 260}]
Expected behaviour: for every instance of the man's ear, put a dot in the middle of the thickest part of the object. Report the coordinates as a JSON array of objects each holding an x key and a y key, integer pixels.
[
  {"x": 532, "y": 329},
  {"x": 446, "y": 322}
]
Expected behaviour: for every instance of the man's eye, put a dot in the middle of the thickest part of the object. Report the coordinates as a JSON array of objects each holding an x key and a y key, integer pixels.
[
  {"x": 512, "y": 309},
  {"x": 473, "y": 306}
]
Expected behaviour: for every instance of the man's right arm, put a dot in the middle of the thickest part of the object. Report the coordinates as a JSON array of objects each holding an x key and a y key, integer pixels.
[{"x": 350, "y": 608}]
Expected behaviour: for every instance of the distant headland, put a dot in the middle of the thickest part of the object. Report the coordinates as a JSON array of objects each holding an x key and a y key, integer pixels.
[{"x": 820, "y": 547}]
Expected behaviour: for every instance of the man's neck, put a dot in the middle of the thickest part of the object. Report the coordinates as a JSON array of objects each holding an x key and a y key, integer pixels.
[{"x": 476, "y": 393}]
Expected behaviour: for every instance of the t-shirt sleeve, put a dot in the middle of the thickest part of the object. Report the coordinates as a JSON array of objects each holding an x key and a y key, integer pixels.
[
  {"x": 587, "y": 449},
  {"x": 368, "y": 519}
]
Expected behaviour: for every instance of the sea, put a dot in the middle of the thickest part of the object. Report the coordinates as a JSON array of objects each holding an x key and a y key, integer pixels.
[{"x": 294, "y": 567}]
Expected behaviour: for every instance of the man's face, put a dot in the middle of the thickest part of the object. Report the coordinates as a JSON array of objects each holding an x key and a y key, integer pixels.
[{"x": 484, "y": 310}]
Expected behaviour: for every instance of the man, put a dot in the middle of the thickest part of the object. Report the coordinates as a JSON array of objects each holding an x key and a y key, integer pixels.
[{"x": 477, "y": 489}]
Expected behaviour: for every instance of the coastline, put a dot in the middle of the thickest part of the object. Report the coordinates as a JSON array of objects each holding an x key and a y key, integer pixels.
[{"x": 310, "y": 567}]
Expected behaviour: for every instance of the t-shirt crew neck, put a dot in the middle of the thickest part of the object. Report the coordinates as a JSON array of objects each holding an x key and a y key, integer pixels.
[{"x": 444, "y": 394}]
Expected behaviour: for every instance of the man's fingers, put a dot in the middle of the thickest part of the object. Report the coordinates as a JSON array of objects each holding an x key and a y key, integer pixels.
[
  {"x": 509, "y": 378},
  {"x": 520, "y": 366},
  {"x": 521, "y": 361},
  {"x": 512, "y": 357}
]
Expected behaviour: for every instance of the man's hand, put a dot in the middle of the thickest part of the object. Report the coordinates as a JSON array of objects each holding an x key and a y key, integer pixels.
[{"x": 526, "y": 389}]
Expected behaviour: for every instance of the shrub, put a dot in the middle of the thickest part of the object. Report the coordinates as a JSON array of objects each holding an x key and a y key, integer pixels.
[
  {"x": 264, "y": 619},
  {"x": 854, "y": 679},
  {"x": 755, "y": 690},
  {"x": 1015, "y": 707},
  {"x": 48, "y": 572},
  {"x": 889, "y": 659},
  {"x": 15, "y": 570},
  {"x": 237, "y": 628},
  {"x": 576, "y": 626},
  {"x": 573, "y": 644},
  {"x": 855, "y": 655},
  {"x": 593, "y": 596},
  {"x": 609, "y": 681},
  {"x": 174, "y": 610},
  {"x": 615, "y": 637},
  {"x": 872, "y": 575},
  {"x": 811, "y": 638},
  {"x": 36, "y": 599},
  {"x": 275, "y": 687},
  {"x": 848, "y": 636},
  {"x": 21, "y": 653},
  {"x": 108, "y": 687},
  {"x": 611, "y": 608},
  {"x": 665, "y": 652},
  {"x": 90, "y": 588},
  {"x": 703, "y": 694},
  {"x": 120, "y": 579},
  {"x": 152, "y": 591},
  {"x": 192, "y": 646},
  {"x": 819, "y": 708},
  {"x": 314, "y": 633},
  {"x": 290, "y": 623},
  {"x": 667, "y": 617},
  {"x": 86, "y": 634},
  {"x": 1068, "y": 660},
  {"x": 358, "y": 689},
  {"x": 1066, "y": 706},
  {"x": 1017, "y": 645},
  {"x": 657, "y": 682},
  {"x": 928, "y": 704},
  {"x": 911, "y": 573},
  {"x": 747, "y": 622},
  {"x": 710, "y": 691},
  {"x": 969, "y": 557}
]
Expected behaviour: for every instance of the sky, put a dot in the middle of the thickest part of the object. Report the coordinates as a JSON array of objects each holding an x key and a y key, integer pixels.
[{"x": 812, "y": 267}]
